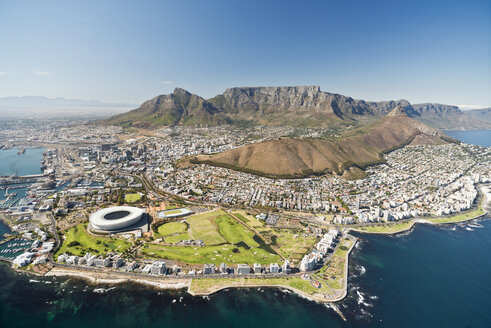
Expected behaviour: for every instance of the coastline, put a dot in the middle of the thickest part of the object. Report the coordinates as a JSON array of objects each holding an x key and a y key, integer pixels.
[
  {"x": 105, "y": 277},
  {"x": 434, "y": 221},
  {"x": 111, "y": 278},
  {"x": 186, "y": 283}
]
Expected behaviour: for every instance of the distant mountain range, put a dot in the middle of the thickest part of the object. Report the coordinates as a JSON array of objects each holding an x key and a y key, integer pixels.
[
  {"x": 480, "y": 114},
  {"x": 26, "y": 106},
  {"x": 346, "y": 156},
  {"x": 305, "y": 106}
]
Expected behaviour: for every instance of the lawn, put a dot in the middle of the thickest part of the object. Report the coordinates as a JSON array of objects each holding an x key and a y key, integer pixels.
[
  {"x": 209, "y": 285},
  {"x": 234, "y": 232},
  {"x": 201, "y": 227},
  {"x": 226, "y": 240},
  {"x": 89, "y": 243},
  {"x": 458, "y": 217},
  {"x": 387, "y": 227},
  {"x": 172, "y": 228},
  {"x": 293, "y": 248},
  {"x": 229, "y": 254},
  {"x": 132, "y": 198},
  {"x": 250, "y": 220},
  {"x": 176, "y": 238}
]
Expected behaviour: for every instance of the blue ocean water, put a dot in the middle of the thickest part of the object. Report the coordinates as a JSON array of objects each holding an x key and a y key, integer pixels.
[
  {"x": 23, "y": 164},
  {"x": 3, "y": 229},
  {"x": 475, "y": 137}
]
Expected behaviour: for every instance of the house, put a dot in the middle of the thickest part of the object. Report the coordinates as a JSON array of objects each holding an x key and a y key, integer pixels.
[
  {"x": 209, "y": 268},
  {"x": 158, "y": 267},
  {"x": 243, "y": 269}
]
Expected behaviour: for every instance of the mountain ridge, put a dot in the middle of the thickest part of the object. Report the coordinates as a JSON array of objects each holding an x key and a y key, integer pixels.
[{"x": 305, "y": 106}]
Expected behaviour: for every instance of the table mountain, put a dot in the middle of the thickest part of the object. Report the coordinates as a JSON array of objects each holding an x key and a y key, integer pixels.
[{"x": 305, "y": 106}]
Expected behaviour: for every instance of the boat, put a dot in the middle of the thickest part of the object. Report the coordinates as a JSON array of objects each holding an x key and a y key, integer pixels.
[{"x": 21, "y": 151}]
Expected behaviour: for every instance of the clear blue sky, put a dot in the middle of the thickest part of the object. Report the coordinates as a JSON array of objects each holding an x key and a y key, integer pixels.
[{"x": 122, "y": 51}]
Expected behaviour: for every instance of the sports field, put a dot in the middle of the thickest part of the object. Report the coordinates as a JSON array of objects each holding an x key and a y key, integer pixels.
[
  {"x": 226, "y": 240},
  {"x": 132, "y": 198},
  {"x": 172, "y": 228}
]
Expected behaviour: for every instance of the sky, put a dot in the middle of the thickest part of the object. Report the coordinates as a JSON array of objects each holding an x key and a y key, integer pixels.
[{"x": 131, "y": 51}]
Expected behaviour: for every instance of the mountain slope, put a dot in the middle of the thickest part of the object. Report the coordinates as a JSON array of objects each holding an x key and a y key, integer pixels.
[
  {"x": 304, "y": 106},
  {"x": 346, "y": 156},
  {"x": 480, "y": 114},
  {"x": 449, "y": 117},
  {"x": 177, "y": 108}
]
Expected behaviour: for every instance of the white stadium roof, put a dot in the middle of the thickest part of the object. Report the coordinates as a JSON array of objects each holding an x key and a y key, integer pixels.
[{"x": 114, "y": 218}]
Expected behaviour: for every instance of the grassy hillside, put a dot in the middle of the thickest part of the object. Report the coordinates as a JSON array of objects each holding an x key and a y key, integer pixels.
[{"x": 347, "y": 155}]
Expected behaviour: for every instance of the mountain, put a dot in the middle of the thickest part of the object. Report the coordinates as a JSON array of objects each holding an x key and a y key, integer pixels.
[
  {"x": 480, "y": 114},
  {"x": 298, "y": 106},
  {"x": 449, "y": 117},
  {"x": 346, "y": 156},
  {"x": 304, "y": 106},
  {"x": 177, "y": 108},
  {"x": 28, "y": 106}
]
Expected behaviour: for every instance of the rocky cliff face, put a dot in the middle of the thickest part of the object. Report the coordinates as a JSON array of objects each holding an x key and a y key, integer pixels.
[
  {"x": 436, "y": 109},
  {"x": 300, "y": 99},
  {"x": 305, "y": 106}
]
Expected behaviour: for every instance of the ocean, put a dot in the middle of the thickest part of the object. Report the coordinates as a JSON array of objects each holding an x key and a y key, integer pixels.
[
  {"x": 475, "y": 137},
  {"x": 24, "y": 164},
  {"x": 432, "y": 276}
]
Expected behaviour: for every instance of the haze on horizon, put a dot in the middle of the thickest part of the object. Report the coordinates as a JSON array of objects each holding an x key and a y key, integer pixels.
[{"x": 129, "y": 51}]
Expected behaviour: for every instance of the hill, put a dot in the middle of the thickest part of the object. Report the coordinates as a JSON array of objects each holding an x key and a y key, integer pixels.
[
  {"x": 305, "y": 106},
  {"x": 177, "y": 108},
  {"x": 450, "y": 117},
  {"x": 346, "y": 156},
  {"x": 480, "y": 114}
]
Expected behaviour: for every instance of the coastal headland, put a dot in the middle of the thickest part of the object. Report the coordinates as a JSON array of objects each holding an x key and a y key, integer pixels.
[{"x": 297, "y": 283}]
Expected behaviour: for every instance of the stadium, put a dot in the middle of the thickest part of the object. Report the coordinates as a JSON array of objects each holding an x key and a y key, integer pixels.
[
  {"x": 174, "y": 213},
  {"x": 118, "y": 218}
]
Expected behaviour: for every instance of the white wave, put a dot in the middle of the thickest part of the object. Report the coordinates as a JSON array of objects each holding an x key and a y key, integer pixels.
[
  {"x": 102, "y": 290},
  {"x": 361, "y": 299},
  {"x": 365, "y": 313}
]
